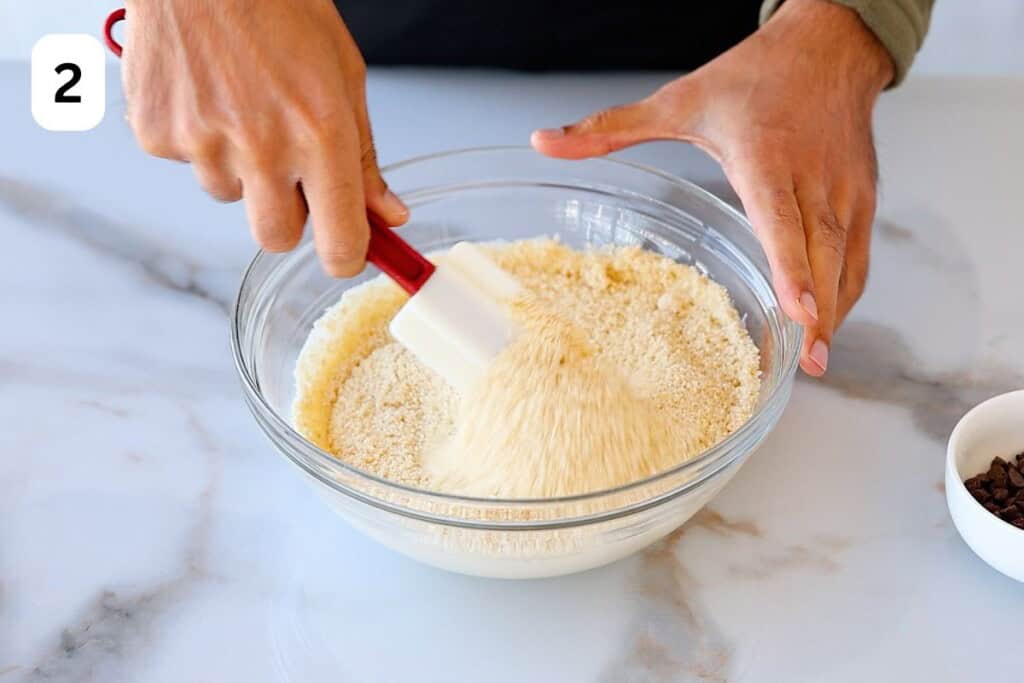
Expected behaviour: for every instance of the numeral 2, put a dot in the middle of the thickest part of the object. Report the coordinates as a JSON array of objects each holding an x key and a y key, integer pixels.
[{"x": 76, "y": 75}]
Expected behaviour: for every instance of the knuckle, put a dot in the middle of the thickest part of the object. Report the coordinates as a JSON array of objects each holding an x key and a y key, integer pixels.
[
  {"x": 783, "y": 211},
  {"x": 274, "y": 234},
  {"x": 343, "y": 253},
  {"x": 223, "y": 190},
  {"x": 368, "y": 157},
  {"x": 201, "y": 143},
  {"x": 218, "y": 182},
  {"x": 154, "y": 141},
  {"x": 337, "y": 267},
  {"x": 604, "y": 117},
  {"x": 278, "y": 241},
  {"x": 225, "y": 196},
  {"x": 597, "y": 121},
  {"x": 831, "y": 234}
]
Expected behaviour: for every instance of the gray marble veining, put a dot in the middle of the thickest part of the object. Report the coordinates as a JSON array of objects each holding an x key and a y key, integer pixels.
[
  {"x": 671, "y": 636},
  {"x": 45, "y": 209},
  {"x": 117, "y": 624},
  {"x": 872, "y": 362}
]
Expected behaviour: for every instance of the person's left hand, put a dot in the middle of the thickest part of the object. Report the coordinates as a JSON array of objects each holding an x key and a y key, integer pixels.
[{"x": 787, "y": 113}]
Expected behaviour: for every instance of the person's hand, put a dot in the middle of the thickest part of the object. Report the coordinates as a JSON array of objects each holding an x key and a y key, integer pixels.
[
  {"x": 266, "y": 100},
  {"x": 787, "y": 113}
]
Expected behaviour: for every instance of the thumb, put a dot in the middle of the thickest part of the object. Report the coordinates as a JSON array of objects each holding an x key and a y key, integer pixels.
[{"x": 607, "y": 131}]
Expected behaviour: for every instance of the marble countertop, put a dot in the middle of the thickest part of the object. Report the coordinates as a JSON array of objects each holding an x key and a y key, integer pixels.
[{"x": 148, "y": 532}]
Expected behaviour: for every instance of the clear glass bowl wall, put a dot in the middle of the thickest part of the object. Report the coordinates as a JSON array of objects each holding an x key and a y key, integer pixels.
[{"x": 508, "y": 194}]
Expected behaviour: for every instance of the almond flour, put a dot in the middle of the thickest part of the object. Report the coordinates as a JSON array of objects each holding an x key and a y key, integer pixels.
[{"x": 649, "y": 357}]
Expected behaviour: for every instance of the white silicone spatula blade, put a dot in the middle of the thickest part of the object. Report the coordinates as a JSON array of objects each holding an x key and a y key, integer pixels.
[{"x": 458, "y": 321}]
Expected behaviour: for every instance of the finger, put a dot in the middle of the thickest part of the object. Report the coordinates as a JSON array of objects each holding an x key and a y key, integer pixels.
[
  {"x": 333, "y": 186},
  {"x": 150, "y": 116},
  {"x": 218, "y": 181},
  {"x": 826, "y": 249},
  {"x": 858, "y": 249},
  {"x": 276, "y": 211},
  {"x": 156, "y": 141},
  {"x": 768, "y": 197},
  {"x": 384, "y": 203},
  {"x": 603, "y": 132},
  {"x": 208, "y": 154}
]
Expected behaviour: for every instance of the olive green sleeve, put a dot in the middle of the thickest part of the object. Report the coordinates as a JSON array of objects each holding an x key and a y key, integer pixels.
[{"x": 900, "y": 25}]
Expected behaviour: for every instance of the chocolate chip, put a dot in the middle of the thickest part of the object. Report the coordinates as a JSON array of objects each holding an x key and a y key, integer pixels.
[
  {"x": 1009, "y": 513},
  {"x": 1015, "y": 477},
  {"x": 1000, "y": 489},
  {"x": 997, "y": 473}
]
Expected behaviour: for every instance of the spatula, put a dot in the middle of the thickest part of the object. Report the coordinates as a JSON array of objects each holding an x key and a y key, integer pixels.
[{"x": 455, "y": 322}]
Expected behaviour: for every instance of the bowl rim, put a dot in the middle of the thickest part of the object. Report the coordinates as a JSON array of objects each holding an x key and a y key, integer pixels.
[
  {"x": 953, "y": 450},
  {"x": 790, "y": 359}
]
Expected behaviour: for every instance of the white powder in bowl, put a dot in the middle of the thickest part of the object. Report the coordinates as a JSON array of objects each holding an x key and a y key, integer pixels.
[
  {"x": 676, "y": 373},
  {"x": 551, "y": 417}
]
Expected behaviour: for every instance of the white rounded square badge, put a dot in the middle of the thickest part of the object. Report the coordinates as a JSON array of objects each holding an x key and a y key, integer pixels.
[{"x": 69, "y": 82}]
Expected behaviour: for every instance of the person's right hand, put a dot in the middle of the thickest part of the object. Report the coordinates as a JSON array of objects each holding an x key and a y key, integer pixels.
[{"x": 266, "y": 100}]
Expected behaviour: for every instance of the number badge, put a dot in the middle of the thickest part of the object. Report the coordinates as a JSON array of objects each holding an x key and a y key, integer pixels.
[{"x": 69, "y": 82}]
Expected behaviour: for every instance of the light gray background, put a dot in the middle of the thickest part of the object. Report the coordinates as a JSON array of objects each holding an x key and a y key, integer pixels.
[{"x": 968, "y": 36}]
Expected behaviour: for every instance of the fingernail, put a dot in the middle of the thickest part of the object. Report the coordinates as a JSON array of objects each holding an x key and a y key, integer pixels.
[
  {"x": 549, "y": 133},
  {"x": 819, "y": 354},
  {"x": 808, "y": 303},
  {"x": 394, "y": 203}
]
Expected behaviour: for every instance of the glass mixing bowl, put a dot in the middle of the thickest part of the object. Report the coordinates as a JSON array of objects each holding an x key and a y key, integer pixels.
[{"x": 508, "y": 194}]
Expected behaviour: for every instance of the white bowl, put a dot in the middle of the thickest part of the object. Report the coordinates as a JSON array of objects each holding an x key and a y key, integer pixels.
[{"x": 995, "y": 427}]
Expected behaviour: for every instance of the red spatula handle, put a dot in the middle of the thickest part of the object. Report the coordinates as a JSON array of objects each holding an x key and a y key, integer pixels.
[
  {"x": 387, "y": 251},
  {"x": 397, "y": 258},
  {"x": 108, "y": 31}
]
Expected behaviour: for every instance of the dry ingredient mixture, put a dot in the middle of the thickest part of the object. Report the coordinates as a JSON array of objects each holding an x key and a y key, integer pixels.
[
  {"x": 552, "y": 417},
  {"x": 630, "y": 364}
]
